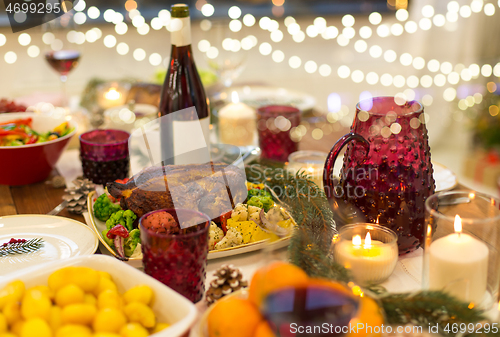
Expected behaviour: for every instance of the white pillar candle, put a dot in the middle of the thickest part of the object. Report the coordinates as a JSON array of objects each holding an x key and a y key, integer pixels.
[
  {"x": 370, "y": 261},
  {"x": 458, "y": 264},
  {"x": 237, "y": 125}
]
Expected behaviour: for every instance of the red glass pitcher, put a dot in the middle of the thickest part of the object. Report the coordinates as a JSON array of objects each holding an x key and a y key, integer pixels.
[{"x": 387, "y": 172}]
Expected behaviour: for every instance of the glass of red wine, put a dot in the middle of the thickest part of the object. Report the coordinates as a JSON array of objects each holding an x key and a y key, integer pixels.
[
  {"x": 105, "y": 155},
  {"x": 62, "y": 52}
]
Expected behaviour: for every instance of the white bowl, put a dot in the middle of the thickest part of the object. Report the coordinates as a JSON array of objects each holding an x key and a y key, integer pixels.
[{"x": 169, "y": 306}]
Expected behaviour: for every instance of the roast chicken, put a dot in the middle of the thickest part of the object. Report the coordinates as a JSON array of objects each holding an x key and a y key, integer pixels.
[{"x": 211, "y": 188}]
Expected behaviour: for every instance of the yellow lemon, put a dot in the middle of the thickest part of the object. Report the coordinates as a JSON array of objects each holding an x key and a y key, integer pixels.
[{"x": 3, "y": 323}]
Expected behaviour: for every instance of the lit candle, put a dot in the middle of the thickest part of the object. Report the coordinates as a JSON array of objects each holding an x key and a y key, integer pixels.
[
  {"x": 458, "y": 264},
  {"x": 114, "y": 96},
  {"x": 237, "y": 124},
  {"x": 370, "y": 261},
  {"x": 312, "y": 162}
]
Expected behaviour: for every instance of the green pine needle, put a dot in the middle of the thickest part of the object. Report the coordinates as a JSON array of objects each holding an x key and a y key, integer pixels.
[{"x": 21, "y": 247}]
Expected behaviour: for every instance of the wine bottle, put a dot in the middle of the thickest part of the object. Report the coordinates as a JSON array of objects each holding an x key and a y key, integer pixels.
[{"x": 184, "y": 108}]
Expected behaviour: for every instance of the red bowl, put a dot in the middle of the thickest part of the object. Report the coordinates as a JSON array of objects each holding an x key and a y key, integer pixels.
[{"x": 28, "y": 164}]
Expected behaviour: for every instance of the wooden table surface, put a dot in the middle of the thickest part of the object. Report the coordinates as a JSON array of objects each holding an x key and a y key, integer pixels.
[{"x": 39, "y": 198}]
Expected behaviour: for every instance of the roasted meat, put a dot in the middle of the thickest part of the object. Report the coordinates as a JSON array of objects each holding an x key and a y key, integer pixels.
[{"x": 212, "y": 188}]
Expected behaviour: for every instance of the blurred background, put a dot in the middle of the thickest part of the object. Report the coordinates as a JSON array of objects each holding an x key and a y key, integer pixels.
[{"x": 324, "y": 55}]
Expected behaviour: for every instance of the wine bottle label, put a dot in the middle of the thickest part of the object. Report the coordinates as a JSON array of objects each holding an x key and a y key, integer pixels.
[
  {"x": 181, "y": 31},
  {"x": 191, "y": 140}
]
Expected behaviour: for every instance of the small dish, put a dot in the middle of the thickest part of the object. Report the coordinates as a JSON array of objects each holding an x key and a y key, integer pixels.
[
  {"x": 63, "y": 238},
  {"x": 169, "y": 306}
]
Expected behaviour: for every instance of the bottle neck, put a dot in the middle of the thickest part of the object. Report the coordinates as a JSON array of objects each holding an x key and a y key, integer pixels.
[{"x": 181, "y": 31}]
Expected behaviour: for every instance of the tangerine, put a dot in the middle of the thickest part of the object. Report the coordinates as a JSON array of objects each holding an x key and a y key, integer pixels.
[
  {"x": 233, "y": 317},
  {"x": 264, "y": 330},
  {"x": 273, "y": 277}
]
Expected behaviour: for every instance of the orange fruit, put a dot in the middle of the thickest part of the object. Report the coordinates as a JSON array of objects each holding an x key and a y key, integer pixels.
[
  {"x": 263, "y": 330},
  {"x": 273, "y": 277},
  {"x": 369, "y": 314},
  {"x": 233, "y": 317}
]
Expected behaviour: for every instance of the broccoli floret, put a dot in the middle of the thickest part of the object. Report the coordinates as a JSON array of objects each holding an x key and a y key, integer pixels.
[
  {"x": 255, "y": 192},
  {"x": 103, "y": 208},
  {"x": 124, "y": 218},
  {"x": 267, "y": 202},
  {"x": 255, "y": 201},
  {"x": 131, "y": 242},
  {"x": 106, "y": 239}
]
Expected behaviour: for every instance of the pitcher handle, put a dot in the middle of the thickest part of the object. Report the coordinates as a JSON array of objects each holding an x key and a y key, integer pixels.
[{"x": 332, "y": 157}]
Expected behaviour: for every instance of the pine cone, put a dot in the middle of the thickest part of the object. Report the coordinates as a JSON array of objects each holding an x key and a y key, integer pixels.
[
  {"x": 228, "y": 279},
  {"x": 77, "y": 196}
]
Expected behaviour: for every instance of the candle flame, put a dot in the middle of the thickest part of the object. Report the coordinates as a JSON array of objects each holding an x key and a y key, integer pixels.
[
  {"x": 234, "y": 97},
  {"x": 368, "y": 241},
  {"x": 472, "y": 195},
  {"x": 112, "y": 94},
  {"x": 356, "y": 240},
  {"x": 458, "y": 224},
  {"x": 310, "y": 169}
]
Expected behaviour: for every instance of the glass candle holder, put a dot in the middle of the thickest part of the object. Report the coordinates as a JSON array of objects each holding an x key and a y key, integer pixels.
[
  {"x": 312, "y": 162},
  {"x": 274, "y": 123},
  {"x": 105, "y": 155},
  {"x": 369, "y": 251},
  {"x": 462, "y": 244},
  {"x": 176, "y": 255}
]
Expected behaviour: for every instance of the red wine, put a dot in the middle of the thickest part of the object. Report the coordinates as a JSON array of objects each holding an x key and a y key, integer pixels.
[
  {"x": 309, "y": 311},
  {"x": 184, "y": 130},
  {"x": 63, "y": 61}
]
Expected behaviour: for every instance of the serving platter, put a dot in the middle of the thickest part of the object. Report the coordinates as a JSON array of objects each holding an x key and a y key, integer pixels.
[
  {"x": 63, "y": 238},
  {"x": 136, "y": 260}
]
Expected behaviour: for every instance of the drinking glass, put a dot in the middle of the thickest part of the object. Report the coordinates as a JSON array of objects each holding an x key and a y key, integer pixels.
[
  {"x": 177, "y": 256},
  {"x": 61, "y": 54},
  {"x": 274, "y": 123},
  {"x": 462, "y": 245},
  {"x": 229, "y": 60},
  {"x": 105, "y": 155}
]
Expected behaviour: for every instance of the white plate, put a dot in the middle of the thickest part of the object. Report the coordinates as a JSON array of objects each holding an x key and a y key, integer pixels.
[
  {"x": 63, "y": 238},
  {"x": 169, "y": 306},
  {"x": 98, "y": 226},
  {"x": 445, "y": 179},
  {"x": 257, "y": 96}
]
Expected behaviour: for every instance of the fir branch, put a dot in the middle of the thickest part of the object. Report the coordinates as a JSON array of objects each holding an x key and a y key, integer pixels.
[{"x": 21, "y": 247}]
